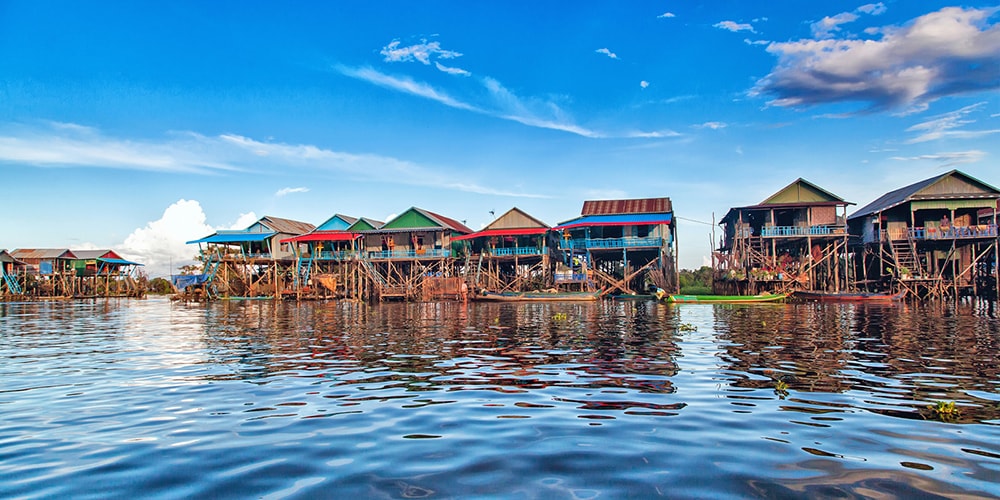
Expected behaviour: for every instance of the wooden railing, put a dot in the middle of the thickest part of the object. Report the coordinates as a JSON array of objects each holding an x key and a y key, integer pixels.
[
  {"x": 945, "y": 233},
  {"x": 785, "y": 231}
]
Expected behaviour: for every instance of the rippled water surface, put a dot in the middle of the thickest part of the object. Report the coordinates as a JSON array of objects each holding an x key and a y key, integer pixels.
[{"x": 605, "y": 400}]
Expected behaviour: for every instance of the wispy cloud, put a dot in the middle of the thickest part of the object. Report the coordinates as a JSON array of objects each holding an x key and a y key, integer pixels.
[
  {"x": 62, "y": 145},
  {"x": 947, "y": 52},
  {"x": 501, "y": 103},
  {"x": 666, "y": 15},
  {"x": 406, "y": 85},
  {"x": 946, "y": 159},
  {"x": 874, "y": 9},
  {"x": 644, "y": 84},
  {"x": 607, "y": 52},
  {"x": 450, "y": 70},
  {"x": 290, "y": 190},
  {"x": 734, "y": 26},
  {"x": 944, "y": 126},
  {"x": 70, "y": 145},
  {"x": 756, "y": 42}
]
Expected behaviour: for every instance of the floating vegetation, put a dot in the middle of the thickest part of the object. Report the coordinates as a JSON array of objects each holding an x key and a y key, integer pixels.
[
  {"x": 559, "y": 317},
  {"x": 945, "y": 411},
  {"x": 781, "y": 388},
  {"x": 687, "y": 327}
]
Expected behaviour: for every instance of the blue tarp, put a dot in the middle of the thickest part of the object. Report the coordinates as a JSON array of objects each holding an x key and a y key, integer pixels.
[
  {"x": 233, "y": 238},
  {"x": 616, "y": 220},
  {"x": 182, "y": 281}
]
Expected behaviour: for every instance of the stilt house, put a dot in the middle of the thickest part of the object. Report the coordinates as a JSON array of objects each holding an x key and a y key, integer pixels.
[
  {"x": 934, "y": 238},
  {"x": 252, "y": 262},
  {"x": 619, "y": 246},
  {"x": 12, "y": 274},
  {"x": 105, "y": 273},
  {"x": 403, "y": 252},
  {"x": 509, "y": 254},
  {"x": 796, "y": 239},
  {"x": 49, "y": 271}
]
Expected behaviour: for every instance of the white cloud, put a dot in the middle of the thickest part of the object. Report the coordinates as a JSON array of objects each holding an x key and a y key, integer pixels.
[
  {"x": 666, "y": 15},
  {"x": 756, "y": 42},
  {"x": 946, "y": 159},
  {"x": 163, "y": 242},
  {"x": 826, "y": 26},
  {"x": 947, "y": 52},
  {"x": 943, "y": 126},
  {"x": 874, "y": 9},
  {"x": 644, "y": 84},
  {"x": 830, "y": 24},
  {"x": 423, "y": 53},
  {"x": 607, "y": 52},
  {"x": 244, "y": 221},
  {"x": 290, "y": 190},
  {"x": 712, "y": 125},
  {"x": 734, "y": 26}
]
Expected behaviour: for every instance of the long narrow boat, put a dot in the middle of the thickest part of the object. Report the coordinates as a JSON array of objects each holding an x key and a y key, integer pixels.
[
  {"x": 536, "y": 296},
  {"x": 724, "y": 299},
  {"x": 849, "y": 296}
]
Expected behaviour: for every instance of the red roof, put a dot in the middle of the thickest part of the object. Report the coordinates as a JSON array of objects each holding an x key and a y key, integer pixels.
[
  {"x": 322, "y": 236},
  {"x": 501, "y": 232},
  {"x": 636, "y": 206}
]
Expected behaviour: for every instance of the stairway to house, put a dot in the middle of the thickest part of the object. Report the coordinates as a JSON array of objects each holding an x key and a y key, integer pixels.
[
  {"x": 12, "y": 285},
  {"x": 905, "y": 255}
]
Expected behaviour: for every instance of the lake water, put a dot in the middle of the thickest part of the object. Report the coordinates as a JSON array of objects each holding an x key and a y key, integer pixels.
[{"x": 153, "y": 399}]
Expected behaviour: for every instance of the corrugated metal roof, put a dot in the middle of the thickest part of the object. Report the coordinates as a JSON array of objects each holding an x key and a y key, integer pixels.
[
  {"x": 95, "y": 254},
  {"x": 904, "y": 194},
  {"x": 42, "y": 253},
  {"x": 5, "y": 256},
  {"x": 446, "y": 222},
  {"x": 616, "y": 220},
  {"x": 119, "y": 261},
  {"x": 635, "y": 206},
  {"x": 502, "y": 232},
  {"x": 322, "y": 236},
  {"x": 287, "y": 226}
]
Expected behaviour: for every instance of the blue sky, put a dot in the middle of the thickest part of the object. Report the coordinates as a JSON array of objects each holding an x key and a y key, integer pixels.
[{"x": 140, "y": 125}]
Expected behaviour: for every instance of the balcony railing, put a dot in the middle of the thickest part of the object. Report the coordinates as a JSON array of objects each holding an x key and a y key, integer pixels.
[
  {"x": 410, "y": 254},
  {"x": 336, "y": 255},
  {"x": 934, "y": 233},
  {"x": 612, "y": 243},
  {"x": 519, "y": 251},
  {"x": 786, "y": 231}
]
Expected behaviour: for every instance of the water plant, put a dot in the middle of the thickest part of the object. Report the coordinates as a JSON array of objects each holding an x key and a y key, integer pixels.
[
  {"x": 780, "y": 388},
  {"x": 945, "y": 411}
]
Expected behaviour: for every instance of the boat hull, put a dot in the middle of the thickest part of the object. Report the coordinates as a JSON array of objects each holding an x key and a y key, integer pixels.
[
  {"x": 724, "y": 299},
  {"x": 536, "y": 297}
]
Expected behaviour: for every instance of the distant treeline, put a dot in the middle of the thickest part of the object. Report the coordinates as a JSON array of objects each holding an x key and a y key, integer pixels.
[{"x": 697, "y": 282}]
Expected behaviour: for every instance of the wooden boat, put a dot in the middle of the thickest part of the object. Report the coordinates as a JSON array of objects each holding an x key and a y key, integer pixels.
[
  {"x": 723, "y": 299},
  {"x": 848, "y": 296},
  {"x": 536, "y": 296}
]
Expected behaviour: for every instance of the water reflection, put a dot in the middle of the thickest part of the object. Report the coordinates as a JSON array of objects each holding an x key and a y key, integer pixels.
[{"x": 897, "y": 359}]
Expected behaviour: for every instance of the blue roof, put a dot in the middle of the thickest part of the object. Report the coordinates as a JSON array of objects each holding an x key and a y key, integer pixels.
[
  {"x": 616, "y": 220},
  {"x": 233, "y": 238},
  {"x": 119, "y": 261}
]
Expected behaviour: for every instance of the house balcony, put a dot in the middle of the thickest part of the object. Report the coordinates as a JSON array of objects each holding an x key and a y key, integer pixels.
[
  {"x": 801, "y": 231},
  {"x": 511, "y": 251},
  {"x": 612, "y": 243},
  {"x": 336, "y": 255},
  {"x": 946, "y": 233},
  {"x": 429, "y": 253}
]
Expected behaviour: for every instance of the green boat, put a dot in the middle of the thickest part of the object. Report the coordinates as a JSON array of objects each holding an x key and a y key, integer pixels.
[{"x": 722, "y": 299}]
